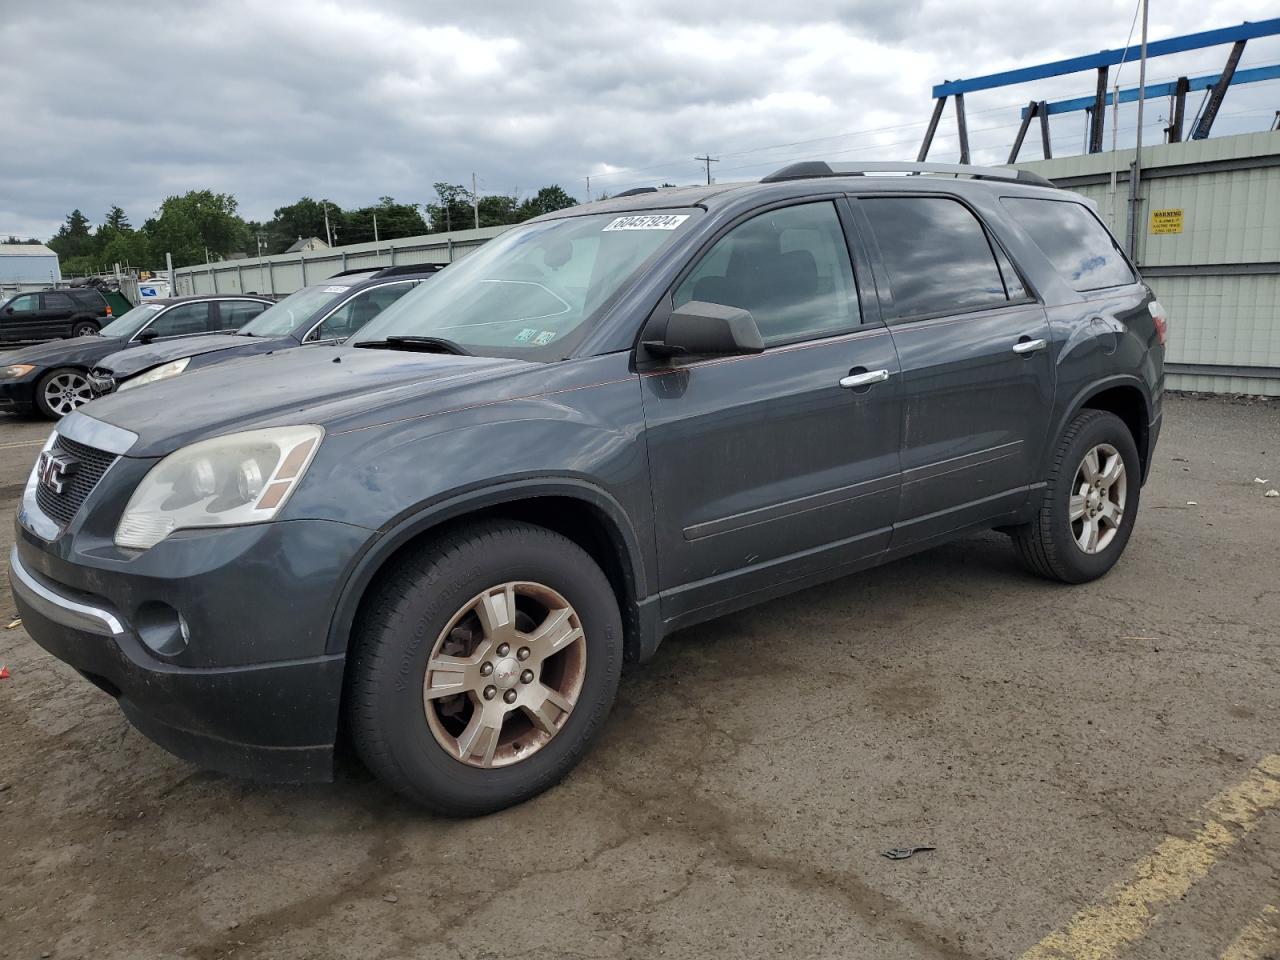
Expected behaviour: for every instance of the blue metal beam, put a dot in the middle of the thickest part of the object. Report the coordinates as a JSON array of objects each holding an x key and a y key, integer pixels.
[
  {"x": 1107, "y": 58},
  {"x": 1157, "y": 90}
]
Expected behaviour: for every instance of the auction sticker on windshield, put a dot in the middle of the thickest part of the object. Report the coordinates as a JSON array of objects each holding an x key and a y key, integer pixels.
[
  {"x": 336, "y": 289},
  {"x": 667, "y": 221}
]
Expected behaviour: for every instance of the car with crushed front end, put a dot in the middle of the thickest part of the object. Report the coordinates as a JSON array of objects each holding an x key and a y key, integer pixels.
[
  {"x": 52, "y": 379},
  {"x": 444, "y": 537},
  {"x": 323, "y": 313}
]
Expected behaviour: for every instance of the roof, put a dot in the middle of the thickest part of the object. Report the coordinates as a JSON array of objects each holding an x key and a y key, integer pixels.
[
  {"x": 303, "y": 242},
  {"x": 169, "y": 301},
  {"x": 719, "y": 195},
  {"x": 25, "y": 250}
]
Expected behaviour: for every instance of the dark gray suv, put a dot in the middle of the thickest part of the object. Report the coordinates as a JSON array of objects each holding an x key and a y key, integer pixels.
[{"x": 445, "y": 536}]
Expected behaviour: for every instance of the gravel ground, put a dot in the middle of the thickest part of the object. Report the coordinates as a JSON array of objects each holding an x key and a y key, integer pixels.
[{"x": 1044, "y": 739}]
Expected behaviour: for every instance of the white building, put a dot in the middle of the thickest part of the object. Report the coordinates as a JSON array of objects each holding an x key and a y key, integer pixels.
[{"x": 28, "y": 263}]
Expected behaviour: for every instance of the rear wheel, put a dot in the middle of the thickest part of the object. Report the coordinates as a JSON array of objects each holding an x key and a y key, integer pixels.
[
  {"x": 84, "y": 328},
  {"x": 61, "y": 391},
  {"x": 1089, "y": 504},
  {"x": 482, "y": 667}
]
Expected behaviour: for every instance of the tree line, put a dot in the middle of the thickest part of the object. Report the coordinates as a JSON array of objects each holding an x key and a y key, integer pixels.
[{"x": 201, "y": 226}]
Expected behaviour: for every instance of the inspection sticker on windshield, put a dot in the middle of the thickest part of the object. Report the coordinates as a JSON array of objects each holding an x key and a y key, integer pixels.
[
  {"x": 525, "y": 335},
  {"x": 546, "y": 336},
  {"x": 664, "y": 221},
  {"x": 336, "y": 289}
]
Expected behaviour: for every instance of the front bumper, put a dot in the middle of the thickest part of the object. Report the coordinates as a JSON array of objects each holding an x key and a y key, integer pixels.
[
  {"x": 18, "y": 394},
  {"x": 253, "y": 694},
  {"x": 101, "y": 382}
]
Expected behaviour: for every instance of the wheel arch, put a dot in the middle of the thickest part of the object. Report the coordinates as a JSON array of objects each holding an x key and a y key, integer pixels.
[
  {"x": 1125, "y": 396},
  {"x": 578, "y": 510}
]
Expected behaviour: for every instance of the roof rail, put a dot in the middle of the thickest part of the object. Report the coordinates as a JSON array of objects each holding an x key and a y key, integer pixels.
[
  {"x": 634, "y": 192},
  {"x": 811, "y": 169}
]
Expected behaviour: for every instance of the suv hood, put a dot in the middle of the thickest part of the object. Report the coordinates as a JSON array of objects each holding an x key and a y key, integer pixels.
[
  {"x": 81, "y": 351},
  {"x": 336, "y": 388},
  {"x": 133, "y": 361}
]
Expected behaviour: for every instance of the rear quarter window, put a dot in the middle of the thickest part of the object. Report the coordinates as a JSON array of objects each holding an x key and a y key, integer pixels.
[{"x": 1074, "y": 240}]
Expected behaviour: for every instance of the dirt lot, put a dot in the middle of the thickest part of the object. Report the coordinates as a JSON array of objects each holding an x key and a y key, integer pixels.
[{"x": 1098, "y": 761}]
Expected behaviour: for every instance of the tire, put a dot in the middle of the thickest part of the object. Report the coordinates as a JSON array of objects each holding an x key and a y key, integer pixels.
[
  {"x": 1056, "y": 546},
  {"x": 406, "y": 740},
  {"x": 84, "y": 328},
  {"x": 61, "y": 391}
]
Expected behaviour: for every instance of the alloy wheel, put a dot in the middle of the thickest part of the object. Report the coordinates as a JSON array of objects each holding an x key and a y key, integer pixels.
[
  {"x": 66, "y": 392},
  {"x": 1097, "y": 505},
  {"x": 505, "y": 674}
]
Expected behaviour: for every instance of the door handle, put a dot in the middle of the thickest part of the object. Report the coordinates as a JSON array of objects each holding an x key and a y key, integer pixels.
[
  {"x": 1029, "y": 346},
  {"x": 855, "y": 380}
]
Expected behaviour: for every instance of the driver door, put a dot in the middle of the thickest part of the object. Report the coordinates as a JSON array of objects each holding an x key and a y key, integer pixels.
[
  {"x": 21, "y": 320},
  {"x": 765, "y": 468}
]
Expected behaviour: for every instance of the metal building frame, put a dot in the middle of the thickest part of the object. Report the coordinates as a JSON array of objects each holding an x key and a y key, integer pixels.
[{"x": 1102, "y": 62}]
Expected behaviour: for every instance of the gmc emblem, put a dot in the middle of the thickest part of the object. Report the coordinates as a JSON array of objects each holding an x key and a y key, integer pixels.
[{"x": 53, "y": 470}]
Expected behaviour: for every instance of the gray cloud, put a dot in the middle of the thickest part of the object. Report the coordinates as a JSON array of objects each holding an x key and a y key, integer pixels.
[{"x": 128, "y": 102}]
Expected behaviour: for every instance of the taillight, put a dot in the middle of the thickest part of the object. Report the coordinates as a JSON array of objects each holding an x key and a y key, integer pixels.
[
  {"x": 108, "y": 309},
  {"x": 1161, "y": 320}
]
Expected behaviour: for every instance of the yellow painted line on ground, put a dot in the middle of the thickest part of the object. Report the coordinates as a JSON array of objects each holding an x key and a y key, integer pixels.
[
  {"x": 1166, "y": 874},
  {"x": 1259, "y": 937},
  {"x": 22, "y": 443}
]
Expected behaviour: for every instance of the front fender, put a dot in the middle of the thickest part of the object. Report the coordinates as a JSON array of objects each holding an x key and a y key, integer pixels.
[{"x": 432, "y": 515}]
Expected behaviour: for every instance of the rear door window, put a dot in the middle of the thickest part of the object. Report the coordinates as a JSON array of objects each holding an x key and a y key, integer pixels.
[
  {"x": 1074, "y": 240},
  {"x": 60, "y": 302},
  {"x": 937, "y": 255},
  {"x": 234, "y": 314}
]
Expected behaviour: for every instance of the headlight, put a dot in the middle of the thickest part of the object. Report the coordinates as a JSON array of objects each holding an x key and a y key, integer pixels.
[
  {"x": 16, "y": 370},
  {"x": 162, "y": 372},
  {"x": 224, "y": 482}
]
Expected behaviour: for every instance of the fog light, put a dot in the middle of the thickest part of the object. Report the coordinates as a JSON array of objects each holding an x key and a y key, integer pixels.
[{"x": 162, "y": 628}]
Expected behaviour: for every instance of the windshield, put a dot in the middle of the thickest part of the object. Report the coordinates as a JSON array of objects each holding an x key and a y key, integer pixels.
[
  {"x": 127, "y": 324},
  {"x": 533, "y": 292},
  {"x": 281, "y": 319}
]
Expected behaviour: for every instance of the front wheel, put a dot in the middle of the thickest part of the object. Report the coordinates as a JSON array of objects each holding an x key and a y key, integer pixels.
[
  {"x": 84, "y": 328},
  {"x": 61, "y": 391},
  {"x": 482, "y": 666},
  {"x": 1089, "y": 503}
]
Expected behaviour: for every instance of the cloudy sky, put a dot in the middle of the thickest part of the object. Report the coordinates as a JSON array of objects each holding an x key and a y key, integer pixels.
[{"x": 127, "y": 103}]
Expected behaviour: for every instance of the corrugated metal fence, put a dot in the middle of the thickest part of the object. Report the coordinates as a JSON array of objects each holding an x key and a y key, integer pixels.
[
  {"x": 1209, "y": 245},
  {"x": 284, "y": 273}
]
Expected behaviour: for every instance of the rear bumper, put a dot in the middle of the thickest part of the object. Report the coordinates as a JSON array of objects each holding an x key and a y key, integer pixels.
[{"x": 274, "y": 720}]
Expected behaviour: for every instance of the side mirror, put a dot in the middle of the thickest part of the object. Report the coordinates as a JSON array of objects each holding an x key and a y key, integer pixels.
[
  {"x": 698, "y": 327},
  {"x": 146, "y": 336},
  {"x": 9, "y": 310}
]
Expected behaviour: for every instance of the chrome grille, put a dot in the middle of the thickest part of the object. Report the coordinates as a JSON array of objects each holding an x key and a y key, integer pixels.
[{"x": 92, "y": 464}]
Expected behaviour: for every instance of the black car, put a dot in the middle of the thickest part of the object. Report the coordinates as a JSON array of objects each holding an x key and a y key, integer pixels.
[
  {"x": 53, "y": 378},
  {"x": 49, "y": 314},
  {"x": 327, "y": 312},
  {"x": 444, "y": 537}
]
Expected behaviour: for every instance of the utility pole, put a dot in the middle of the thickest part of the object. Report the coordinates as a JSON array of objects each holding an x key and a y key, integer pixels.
[
  {"x": 328, "y": 234},
  {"x": 1135, "y": 171},
  {"x": 375, "y": 231},
  {"x": 589, "y": 179},
  {"x": 708, "y": 161},
  {"x": 475, "y": 201}
]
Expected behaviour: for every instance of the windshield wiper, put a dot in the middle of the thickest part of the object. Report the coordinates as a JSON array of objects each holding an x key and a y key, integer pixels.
[{"x": 418, "y": 344}]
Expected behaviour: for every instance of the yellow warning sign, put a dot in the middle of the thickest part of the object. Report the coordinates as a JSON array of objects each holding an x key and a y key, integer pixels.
[{"x": 1166, "y": 221}]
